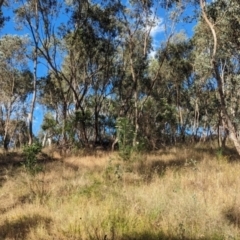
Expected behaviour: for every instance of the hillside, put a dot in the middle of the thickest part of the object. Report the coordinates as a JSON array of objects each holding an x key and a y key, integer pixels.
[{"x": 175, "y": 193}]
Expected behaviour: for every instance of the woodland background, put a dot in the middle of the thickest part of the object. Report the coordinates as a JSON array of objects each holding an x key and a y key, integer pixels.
[{"x": 103, "y": 78}]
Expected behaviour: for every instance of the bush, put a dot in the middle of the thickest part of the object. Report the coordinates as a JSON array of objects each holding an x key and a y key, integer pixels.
[{"x": 30, "y": 153}]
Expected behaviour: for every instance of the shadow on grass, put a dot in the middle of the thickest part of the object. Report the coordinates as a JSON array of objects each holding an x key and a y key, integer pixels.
[
  {"x": 154, "y": 236},
  {"x": 24, "y": 199},
  {"x": 19, "y": 228},
  {"x": 9, "y": 164},
  {"x": 15, "y": 159},
  {"x": 160, "y": 236},
  {"x": 12, "y": 159},
  {"x": 232, "y": 215},
  {"x": 159, "y": 167},
  {"x": 231, "y": 154},
  {"x": 190, "y": 160}
]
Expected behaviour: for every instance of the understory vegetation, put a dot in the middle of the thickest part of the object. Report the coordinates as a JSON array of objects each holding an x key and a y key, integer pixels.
[{"x": 174, "y": 193}]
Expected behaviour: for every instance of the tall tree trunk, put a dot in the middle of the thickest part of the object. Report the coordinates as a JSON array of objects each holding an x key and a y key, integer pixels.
[
  {"x": 83, "y": 127},
  {"x": 96, "y": 125},
  {"x": 84, "y": 130},
  {"x": 6, "y": 141},
  {"x": 64, "y": 134},
  {"x": 32, "y": 106},
  {"x": 135, "y": 97},
  {"x": 30, "y": 119}
]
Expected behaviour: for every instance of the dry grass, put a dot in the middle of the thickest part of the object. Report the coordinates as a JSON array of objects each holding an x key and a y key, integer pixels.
[{"x": 177, "y": 193}]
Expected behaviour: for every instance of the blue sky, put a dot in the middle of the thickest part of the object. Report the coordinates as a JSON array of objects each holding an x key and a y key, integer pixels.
[{"x": 158, "y": 34}]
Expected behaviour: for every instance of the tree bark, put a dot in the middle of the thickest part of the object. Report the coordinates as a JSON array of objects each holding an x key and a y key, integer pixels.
[
  {"x": 32, "y": 107},
  {"x": 135, "y": 97}
]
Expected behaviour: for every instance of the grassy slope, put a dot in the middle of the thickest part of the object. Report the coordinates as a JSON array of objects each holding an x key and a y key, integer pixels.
[{"x": 179, "y": 193}]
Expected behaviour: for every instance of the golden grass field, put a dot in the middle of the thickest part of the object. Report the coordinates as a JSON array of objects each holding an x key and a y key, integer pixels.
[{"x": 175, "y": 193}]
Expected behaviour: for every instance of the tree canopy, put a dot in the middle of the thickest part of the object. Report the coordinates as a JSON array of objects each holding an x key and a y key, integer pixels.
[{"x": 121, "y": 71}]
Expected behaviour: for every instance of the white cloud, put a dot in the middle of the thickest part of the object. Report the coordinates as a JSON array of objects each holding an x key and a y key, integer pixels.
[
  {"x": 152, "y": 54},
  {"x": 158, "y": 28}
]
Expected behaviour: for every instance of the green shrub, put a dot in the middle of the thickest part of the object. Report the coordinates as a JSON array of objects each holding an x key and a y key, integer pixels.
[
  {"x": 125, "y": 135},
  {"x": 30, "y": 153}
]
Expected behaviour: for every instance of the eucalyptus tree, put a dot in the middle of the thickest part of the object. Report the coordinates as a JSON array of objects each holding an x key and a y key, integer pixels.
[
  {"x": 91, "y": 49},
  {"x": 134, "y": 84},
  {"x": 15, "y": 84},
  {"x": 192, "y": 97},
  {"x": 217, "y": 58},
  {"x": 137, "y": 21},
  {"x": 56, "y": 96},
  {"x": 41, "y": 19},
  {"x": 88, "y": 64},
  {"x": 78, "y": 50},
  {"x": 27, "y": 15},
  {"x": 48, "y": 33},
  {"x": 171, "y": 92}
]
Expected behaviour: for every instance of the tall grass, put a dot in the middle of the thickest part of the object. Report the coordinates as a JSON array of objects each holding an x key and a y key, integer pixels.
[{"x": 177, "y": 193}]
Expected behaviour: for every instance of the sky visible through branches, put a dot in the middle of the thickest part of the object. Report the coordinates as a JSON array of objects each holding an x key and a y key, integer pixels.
[{"x": 158, "y": 34}]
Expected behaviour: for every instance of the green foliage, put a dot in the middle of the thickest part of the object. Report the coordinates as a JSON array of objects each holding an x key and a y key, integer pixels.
[
  {"x": 81, "y": 118},
  {"x": 30, "y": 153},
  {"x": 48, "y": 122},
  {"x": 125, "y": 134},
  {"x": 51, "y": 126}
]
